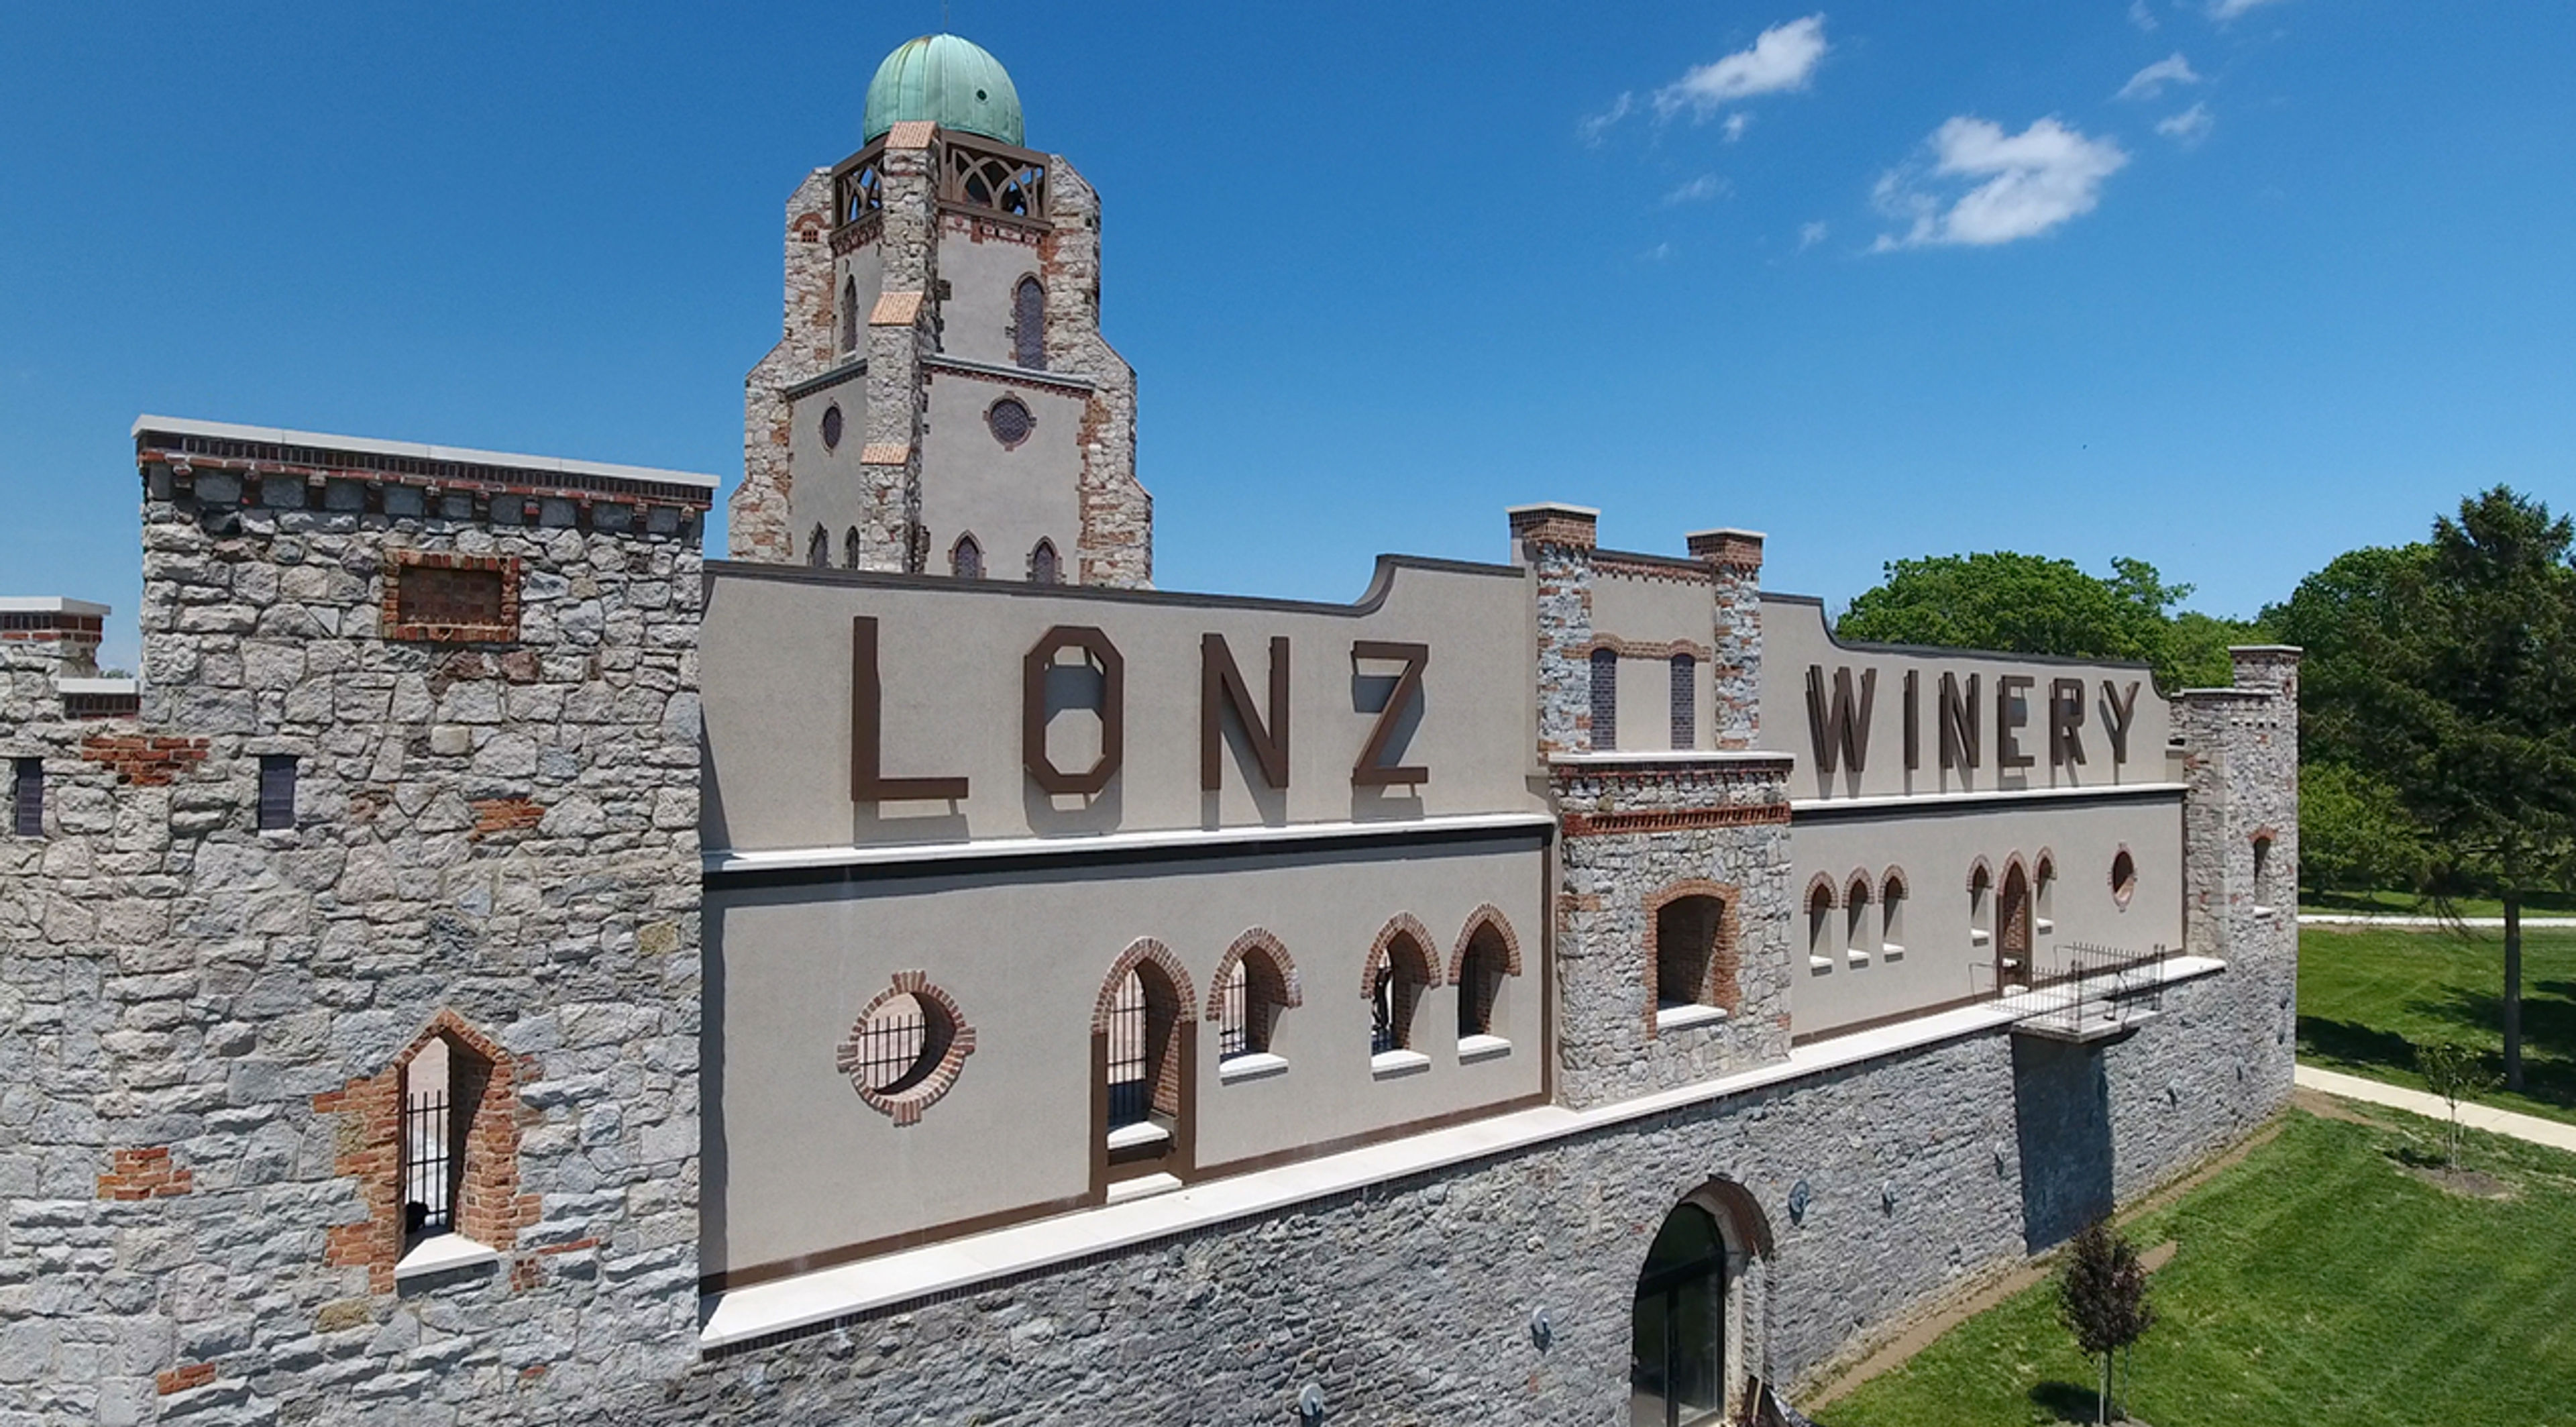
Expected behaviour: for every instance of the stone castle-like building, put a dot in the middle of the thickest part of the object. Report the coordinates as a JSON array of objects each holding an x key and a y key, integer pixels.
[{"x": 495, "y": 965}]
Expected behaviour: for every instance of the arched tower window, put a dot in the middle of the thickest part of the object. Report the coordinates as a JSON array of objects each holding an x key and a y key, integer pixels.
[
  {"x": 850, "y": 548},
  {"x": 1028, "y": 324},
  {"x": 849, "y": 315},
  {"x": 1605, "y": 698},
  {"x": 818, "y": 549},
  {"x": 1043, "y": 567},
  {"x": 1685, "y": 701},
  {"x": 966, "y": 558}
]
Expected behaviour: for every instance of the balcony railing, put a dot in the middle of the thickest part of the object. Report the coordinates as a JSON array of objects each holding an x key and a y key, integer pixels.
[
  {"x": 2088, "y": 992},
  {"x": 973, "y": 175}
]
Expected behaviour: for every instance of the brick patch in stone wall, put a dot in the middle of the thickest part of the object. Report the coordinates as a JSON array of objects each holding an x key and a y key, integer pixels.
[
  {"x": 499, "y": 815},
  {"x": 440, "y": 597},
  {"x": 182, "y": 1378},
  {"x": 145, "y": 761},
  {"x": 143, "y": 1174}
]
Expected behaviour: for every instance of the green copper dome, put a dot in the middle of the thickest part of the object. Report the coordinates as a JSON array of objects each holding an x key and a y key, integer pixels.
[{"x": 950, "y": 82}]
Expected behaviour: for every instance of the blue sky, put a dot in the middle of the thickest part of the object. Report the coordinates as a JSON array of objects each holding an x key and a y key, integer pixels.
[{"x": 1881, "y": 279}]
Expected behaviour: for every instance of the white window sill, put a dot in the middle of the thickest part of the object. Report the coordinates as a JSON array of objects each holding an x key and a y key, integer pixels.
[
  {"x": 1857, "y": 957},
  {"x": 1251, "y": 1065},
  {"x": 1892, "y": 952},
  {"x": 2262, "y": 913},
  {"x": 1673, "y": 1018},
  {"x": 2044, "y": 924},
  {"x": 1139, "y": 1135},
  {"x": 1472, "y": 1048},
  {"x": 1979, "y": 936},
  {"x": 1143, "y": 1186},
  {"x": 1820, "y": 964},
  {"x": 444, "y": 1253},
  {"x": 1387, "y": 1064}
]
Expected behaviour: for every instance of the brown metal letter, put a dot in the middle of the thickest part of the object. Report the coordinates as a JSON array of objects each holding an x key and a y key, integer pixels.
[
  {"x": 1368, "y": 772},
  {"x": 2117, "y": 710},
  {"x": 1221, "y": 683},
  {"x": 1960, "y": 745},
  {"x": 1842, "y": 728},
  {"x": 868, "y": 783},
  {"x": 1033, "y": 710},
  {"x": 2065, "y": 721},
  {"x": 2009, "y": 723},
  {"x": 1913, "y": 720}
]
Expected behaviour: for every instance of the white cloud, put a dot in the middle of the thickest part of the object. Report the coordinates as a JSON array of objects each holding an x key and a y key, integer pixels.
[
  {"x": 2225, "y": 10},
  {"x": 2188, "y": 127},
  {"x": 1809, "y": 235},
  {"x": 1656, "y": 254},
  {"x": 1783, "y": 57},
  {"x": 1698, "y": 190},
  {"x": 1594, "y": 127},
  {"x": 2024, "y": 184},
  {"x": 2151, "y": 81},
  {"x": 1736, "y": 124},
  {"x": 2141, "y": 16}
]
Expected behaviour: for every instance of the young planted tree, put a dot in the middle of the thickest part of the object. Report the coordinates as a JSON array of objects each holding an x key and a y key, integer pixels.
[
  {"x": 2455, "y": 1073},
  {"x": 2102, "y": 1298}
]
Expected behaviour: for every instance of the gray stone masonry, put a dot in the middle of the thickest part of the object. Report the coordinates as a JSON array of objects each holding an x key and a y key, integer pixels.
[
  {"x": 1117, "y": 541},
  {"x": 758, "y": 524},
  {"x": 1555, "y": 544},
  {"x": 502, "y": 832}
]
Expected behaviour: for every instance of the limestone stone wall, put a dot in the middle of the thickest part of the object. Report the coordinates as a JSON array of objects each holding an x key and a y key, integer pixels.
[
  {"x": 759, "y": 519},
  {"x": 192, "y": 1010},
  {"x": 1556, "y": 543},
  {"x": 1117, "y": 514}
]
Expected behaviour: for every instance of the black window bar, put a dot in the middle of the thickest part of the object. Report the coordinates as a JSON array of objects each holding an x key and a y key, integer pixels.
[
  {"x": 1233, "y": 1028},
  {"x": 1130, "y": 1096},
  {"x": 429, "y": 1180},
  {"x": 894, "y": 1047},
  {"x": 276, "y": 792},
  {"x": 1383, "y": 1033},
  {"x": 28, "y": 805}
]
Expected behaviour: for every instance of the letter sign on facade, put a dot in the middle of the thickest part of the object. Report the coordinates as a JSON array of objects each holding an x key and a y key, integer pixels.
[
  {"x": 1959, "y": 742},
  {"x": 2065, "y": 721},
  {"x": 1368, "y": 772},
  {"x": 2117, "y": 710},
  {"x": 2012, "y": 715},
  {"x": 1842, "y": 729},
  {"x": 1033, "y": 710},
  {"x": 1221, "y": 684},
  {"x": 868, "y": 783}
]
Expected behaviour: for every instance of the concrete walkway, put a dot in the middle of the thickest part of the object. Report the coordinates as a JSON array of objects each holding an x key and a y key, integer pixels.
[
  {"x": 2390, "y": 919},
  {"x": 2555, "y": 1134}
]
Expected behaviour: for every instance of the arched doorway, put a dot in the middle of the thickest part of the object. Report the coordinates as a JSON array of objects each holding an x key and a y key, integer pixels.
[
  {"x": 1677, "y": 1351},
  {"x": 2012, "y": 931}
]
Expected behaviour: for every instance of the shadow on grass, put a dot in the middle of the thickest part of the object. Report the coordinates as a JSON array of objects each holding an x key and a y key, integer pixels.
[
  {"x": 2548, "y": 1071},
  {"x": 2071, "y": 1403},
  {"x": 2356, "y": 1044}
]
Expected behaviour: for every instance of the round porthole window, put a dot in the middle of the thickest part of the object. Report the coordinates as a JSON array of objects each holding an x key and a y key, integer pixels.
[
  {"x": 832, "y": 427},
  {"x": 906, "y": 1048},
  {"x": 1011, "y": 420}
]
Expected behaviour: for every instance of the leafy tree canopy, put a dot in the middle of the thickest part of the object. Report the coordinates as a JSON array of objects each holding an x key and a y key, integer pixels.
[{"x": 2030, "y": 604}]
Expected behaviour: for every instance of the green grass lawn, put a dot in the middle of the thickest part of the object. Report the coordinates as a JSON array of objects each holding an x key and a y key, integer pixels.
[
  {"x": 2317, "y": 1282},
  {"x": 2367, "y": 994},
  {"x": 2543, "y": 904}
]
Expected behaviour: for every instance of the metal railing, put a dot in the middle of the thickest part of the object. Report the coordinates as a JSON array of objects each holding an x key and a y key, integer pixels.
[
  {"x": 429, "y": 1179},
  {"x": 1130, "y": 1095},
  {"x": 2084, "y": 990}
]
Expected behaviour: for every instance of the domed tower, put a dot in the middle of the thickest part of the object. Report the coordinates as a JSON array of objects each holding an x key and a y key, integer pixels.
[{"x": 941, "y": 400}]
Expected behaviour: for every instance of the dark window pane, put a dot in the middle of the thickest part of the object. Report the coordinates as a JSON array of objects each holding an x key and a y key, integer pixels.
[
  {"x": 28, "y": 806},
  {"x": 276, "y": 792},
  {"x": 1605, "y": 698}
]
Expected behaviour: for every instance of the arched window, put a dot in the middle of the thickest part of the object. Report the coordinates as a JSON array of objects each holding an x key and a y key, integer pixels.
[
  {"x": 966, "y": 558},
  {"x": 1891, "y": 915},
  {"x": 1486, "y": 956},
  {"x": 1693, "y": 953},
  {"x": 2012, "y": 928},
  {"x": 1677, "y": 1355},
  {"x": 1856, "y": 938},
  {"x": 2124, "y": 878},
  {"x": 1605, "y": 698},
  {"x": 1685, "y": 701},
  {"x": 849, "y": 314},
  {"x": 1255, "y": 983},
  {"x": 1820, "y": 925},
  {"x": 2043, "y": 894},
  {"x": 1043, "y": 568},
  {"x": 818, "y": 549},
  {"x": 433, "y": 1115},
  {"x": 1028, "y": 324},
  {"x": 850, "y": 548},
  {"x": 2263, "y": 894},
  {"x": 1981, "y": 903},
  {"x": 1140, "y": 1040},
  {"x": 832, "y": 424},
  {"x": 1399, "y": 971}
]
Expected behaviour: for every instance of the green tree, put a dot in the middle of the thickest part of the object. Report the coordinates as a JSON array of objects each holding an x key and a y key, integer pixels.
[
  {"x": 2102, "y": 1297},
  {"x": 2455, "y": 1073},
  {"x": 2030, "y": 604},
  {"x": 2449, "y": 671},
  {"x": 2354, "y": 834}
]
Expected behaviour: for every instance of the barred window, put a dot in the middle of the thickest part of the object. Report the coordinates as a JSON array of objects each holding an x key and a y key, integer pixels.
[
  {"x": 276, "y": 792},
  {"x": 1685, "y": 701},
  {"x": 832, "y": 427},
  {"x": 1396, "y": 994},
  {"x": 849, "y": 326},
  {"x": 1028, "y": 324},
  {"x": 27, "y": 804},
  {"x": 1605, "y": 698},
  {"x": 966, "y": 558},
  {"x": 1010, "y": 420},
  {"x": 850, "y": 548},
  {"x": 1043, "y": 567},
  {"x": 1143, "y": 1064},
  {"x": 818, "y": 549}
]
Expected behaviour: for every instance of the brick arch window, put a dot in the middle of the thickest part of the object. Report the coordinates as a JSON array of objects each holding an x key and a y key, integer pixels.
[
  {"x": 2043, "y": 890},
  {"x": 1398, "y": 972},
  {"x": 1981, "y": 902},
  {"x": 1692, "y": 959},
  {"x": 1820, "y": 922},
  {"x": 1255, "y": 983},
  {"x": 1891, "y": 913},
  {"x": 1486, "y": 953},
  {"x": 849, "y": 314},
  {"x": 1140, "y": 1039},
  {"x": 850, "y": 548},
  {"x": 2124, "y": 878},
  {"x": 818, "y": 548},
  {"x": 432, "y": 1143},
  {"x": 1605, "y": 698},
  {"x": 1856, "y": 928},
  {"x": 1044, "y": 567},
  {"x": 966, "y": 558},
  {"x": 1028, "y": 324}
]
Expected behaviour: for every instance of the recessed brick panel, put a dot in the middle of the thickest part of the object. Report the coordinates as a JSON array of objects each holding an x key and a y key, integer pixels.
[{"x": 451, "y": 599}]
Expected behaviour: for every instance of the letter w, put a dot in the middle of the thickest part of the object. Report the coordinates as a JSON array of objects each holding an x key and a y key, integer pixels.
[{"x": 1844, "y": 729}]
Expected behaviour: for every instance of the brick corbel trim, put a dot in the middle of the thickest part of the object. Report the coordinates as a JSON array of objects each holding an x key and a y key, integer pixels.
[
  {"x": 1403, "y": 926},
  {"x": 1648, "y": 649},
  {"x": 1292, "y": 993},
  {"x": 1484, "y": 917},
  {"x": 1673, "y": 819}
]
